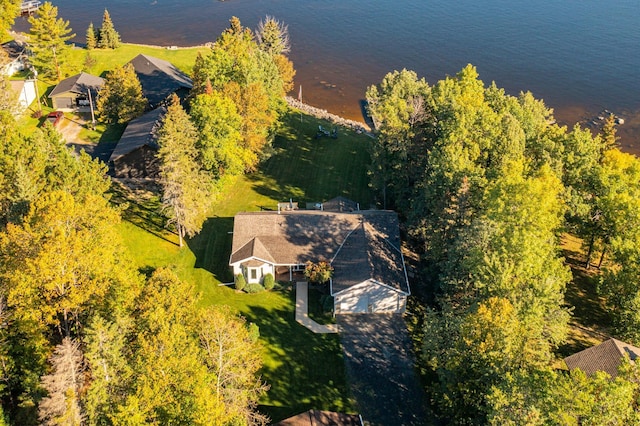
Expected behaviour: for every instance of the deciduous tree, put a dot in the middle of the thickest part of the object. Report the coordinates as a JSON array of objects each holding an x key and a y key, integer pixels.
[
  {"x": 219, "y": 138},
  {"x": 232, "y": 355},
  {"x": 9, "y": 11}
]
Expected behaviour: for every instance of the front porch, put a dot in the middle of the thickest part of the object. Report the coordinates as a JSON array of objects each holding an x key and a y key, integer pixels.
[{"x": 289, "y": 274}]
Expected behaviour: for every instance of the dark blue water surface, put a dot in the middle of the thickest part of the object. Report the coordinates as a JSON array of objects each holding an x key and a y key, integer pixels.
[{"x": 580, "y": 56}]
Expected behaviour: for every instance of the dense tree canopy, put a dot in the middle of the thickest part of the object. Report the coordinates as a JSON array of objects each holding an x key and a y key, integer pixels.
[
  {"x": 84, "y": 338},
  {"x": 486, "y": 182},
  {"x": 255, "y": 79}
]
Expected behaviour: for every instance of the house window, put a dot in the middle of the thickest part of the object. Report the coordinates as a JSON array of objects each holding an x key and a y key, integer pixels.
[{"x": 253, "y": 274}]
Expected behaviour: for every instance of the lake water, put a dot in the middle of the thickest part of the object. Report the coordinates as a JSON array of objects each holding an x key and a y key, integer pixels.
[{"x": 580, "y": 56}]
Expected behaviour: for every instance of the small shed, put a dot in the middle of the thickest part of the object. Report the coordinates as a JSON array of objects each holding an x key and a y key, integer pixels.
[
  {"x": 135, "y": 154},
  {"x": 160, "y": 79},
  {"x": 26, "y": 90},
  {"x": 76, "y": 92}
]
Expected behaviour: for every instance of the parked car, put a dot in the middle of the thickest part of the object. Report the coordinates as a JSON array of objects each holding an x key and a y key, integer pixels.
[{"x": 55, "y": 117}]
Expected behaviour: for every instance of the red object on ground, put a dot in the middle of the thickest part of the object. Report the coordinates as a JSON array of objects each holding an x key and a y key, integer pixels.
[{"x": 55, "y": 117}]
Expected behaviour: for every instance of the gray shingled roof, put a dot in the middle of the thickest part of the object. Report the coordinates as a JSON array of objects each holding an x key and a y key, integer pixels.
[
  {"x": 78, "y": 83},
  {"x": 14, "y": 49},
  {"x": 607, "y": 357},
  {"x": 363, "y": 245},
  {"x": 321, "y": 418},
  {"x": 139, "y": 132},
  {"x": 159, "y": 78}
]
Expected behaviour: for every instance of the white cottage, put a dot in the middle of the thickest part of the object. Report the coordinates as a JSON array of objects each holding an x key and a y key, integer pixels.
[{"x": 362, "y": 246}]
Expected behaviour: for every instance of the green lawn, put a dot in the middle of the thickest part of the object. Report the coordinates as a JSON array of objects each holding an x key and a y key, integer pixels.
[
  {"x": 304, "y": 370},
  {"x": 104, "y": 60}
]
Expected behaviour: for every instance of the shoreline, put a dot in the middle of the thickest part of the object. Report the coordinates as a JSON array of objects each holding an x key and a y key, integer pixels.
[{"x": 320, "y": 113}]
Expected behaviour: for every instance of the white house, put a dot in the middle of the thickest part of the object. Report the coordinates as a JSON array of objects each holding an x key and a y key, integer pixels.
[{"x": 362, "y": 246}]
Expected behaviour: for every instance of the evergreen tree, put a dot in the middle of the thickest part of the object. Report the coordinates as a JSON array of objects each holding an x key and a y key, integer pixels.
[
  {"x": 120, "y": 100},
  {"x": 109, "y": 37},
  {"x": 92, "y": 41},
  {"x": 47, "y": 37},
  {"x": 610, "y": 139},
  {"x": 273, "y": 36},
  {"x": 185, "y": 187}
]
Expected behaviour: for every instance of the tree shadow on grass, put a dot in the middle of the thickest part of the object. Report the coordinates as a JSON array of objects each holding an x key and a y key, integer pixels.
[
  {"x": 590, "y": 322},
  {"x": 307, "y": 371},
  {"x": 308, "y": 169},
  {"x": 212, "y": 247}
]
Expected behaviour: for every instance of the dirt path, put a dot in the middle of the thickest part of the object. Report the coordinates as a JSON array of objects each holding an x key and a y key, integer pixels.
[{"x": 380, "y": 368}]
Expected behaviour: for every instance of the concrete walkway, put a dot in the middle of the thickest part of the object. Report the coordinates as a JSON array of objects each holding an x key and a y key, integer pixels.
[{"x": 302, "y": 311}]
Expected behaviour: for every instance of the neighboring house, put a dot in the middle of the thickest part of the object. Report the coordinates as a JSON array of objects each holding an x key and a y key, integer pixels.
[
  {"x": 26, "y": 90},
  {"x": 17, "y": 53},
  {"x": 322, "y": 418},
  {"x": 607, "y": 357},
  {"x": 72, "y": 94},
  {"x": 135, "y": 154},
  {"x": 160, "y": 79},
  {"x": 362, "y": 246}
]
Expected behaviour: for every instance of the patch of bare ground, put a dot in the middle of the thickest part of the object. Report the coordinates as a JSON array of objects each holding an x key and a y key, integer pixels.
[{"x": 590, "y": 323}]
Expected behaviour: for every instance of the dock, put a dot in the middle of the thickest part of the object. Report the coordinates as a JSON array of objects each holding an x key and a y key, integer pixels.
[{"x": 29, "y": 7}]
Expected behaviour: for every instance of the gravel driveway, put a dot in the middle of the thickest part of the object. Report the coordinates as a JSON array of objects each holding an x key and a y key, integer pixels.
[{"x": 380, "y": 368}]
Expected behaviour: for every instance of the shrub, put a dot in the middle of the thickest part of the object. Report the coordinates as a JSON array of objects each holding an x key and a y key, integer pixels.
[
  {"x": 241, "y": 283},
  {"x": 254, "y": 332},
  {"x": 319, "y": 272},
  {"x": 253, "y": 288},
  {"x": 269, "y": 282}
]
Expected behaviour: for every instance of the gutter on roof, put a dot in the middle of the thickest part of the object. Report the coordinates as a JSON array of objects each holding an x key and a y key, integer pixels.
[{"x": 371, "y": 280}]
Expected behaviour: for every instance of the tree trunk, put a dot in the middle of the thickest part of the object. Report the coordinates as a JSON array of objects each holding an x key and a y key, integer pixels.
[
  {"x": 604, "y": 251},
  {"x": 590, "y": 251}
]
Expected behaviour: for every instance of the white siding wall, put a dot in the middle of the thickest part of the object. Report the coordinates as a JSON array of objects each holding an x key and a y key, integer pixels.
[
  {"x": 369, "y": 297},
  {"x": 261, "y": 271}
]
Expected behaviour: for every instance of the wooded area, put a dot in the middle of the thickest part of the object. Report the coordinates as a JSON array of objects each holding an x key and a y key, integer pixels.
[{"x": 487, "y": 183}]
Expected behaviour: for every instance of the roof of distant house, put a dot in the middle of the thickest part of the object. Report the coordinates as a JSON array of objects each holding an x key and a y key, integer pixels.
[
  {"x": 321, "y": 418},
  {"x": 159, "y": 78},
  {"x": 14, "y": 49},
  {"x": 79, "y": 83},
  {"x": 607, "y": 357},
  {"x": 139, "y": 132}
]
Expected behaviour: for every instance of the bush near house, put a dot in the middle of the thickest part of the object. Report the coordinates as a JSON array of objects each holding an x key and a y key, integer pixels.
[
  {"x": 240, "y": 282},
  {"x": 253, "y": 288},
  {"x": 269, "y": 282}
]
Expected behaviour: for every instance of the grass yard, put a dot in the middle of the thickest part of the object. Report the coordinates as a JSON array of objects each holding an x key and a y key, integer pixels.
[
  {"x": 304, "y": 370},
  {"x": 590, "y": 323}
]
